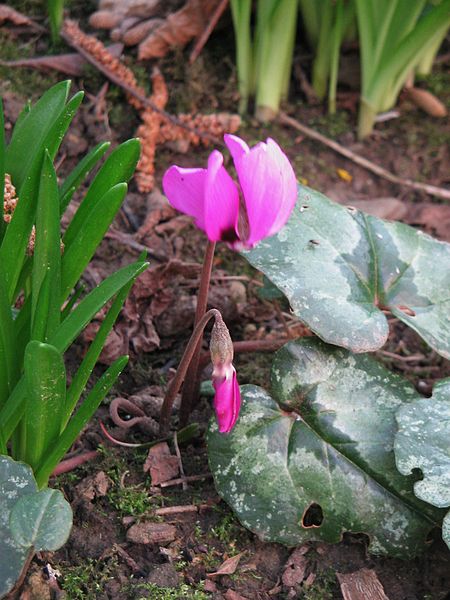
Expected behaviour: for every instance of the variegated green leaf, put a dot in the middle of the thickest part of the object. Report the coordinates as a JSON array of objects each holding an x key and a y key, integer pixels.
[
  {"x": 340, "y": 268},
  {"x": 423, "y": 442},
  {"x": 324, "y": 464}
]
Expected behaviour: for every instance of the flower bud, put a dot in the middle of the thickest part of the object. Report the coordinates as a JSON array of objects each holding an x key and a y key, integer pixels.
[{"x": 227, "y": 400}]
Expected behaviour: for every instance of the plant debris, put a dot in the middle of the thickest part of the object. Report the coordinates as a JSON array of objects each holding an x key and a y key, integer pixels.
[
  {"x": 186, "y": 129},
  {"x": 148, "y": 24}
]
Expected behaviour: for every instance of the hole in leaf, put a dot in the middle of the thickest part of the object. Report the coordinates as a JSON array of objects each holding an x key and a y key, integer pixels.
[{"x": 313, "y": 516}]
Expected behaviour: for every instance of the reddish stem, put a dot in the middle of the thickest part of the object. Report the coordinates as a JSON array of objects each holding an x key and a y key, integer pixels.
[
  {"x": 190, "y": 387},
  {"x": 72, "y": 463},
  {"x": 182, "y": 371},
  {"x": 250, "y": 346}
]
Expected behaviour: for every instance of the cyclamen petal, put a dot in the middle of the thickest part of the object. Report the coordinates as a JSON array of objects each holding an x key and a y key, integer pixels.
[
  {"x": 185, "y": 189},
  {"x": 221, "y": 201},
  {"x": 227, "y": 401},
  {"x": 269, "y": 188}
]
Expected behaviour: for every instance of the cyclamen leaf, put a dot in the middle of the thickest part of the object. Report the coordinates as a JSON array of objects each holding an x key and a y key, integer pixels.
[
  {"x": 340, "y": 268},
  {"x": 423, "y": 442},
  {"x": 42, "y": 520},
  {"x": 328, "y": 467},
  {"x": 27, "y": 517}
]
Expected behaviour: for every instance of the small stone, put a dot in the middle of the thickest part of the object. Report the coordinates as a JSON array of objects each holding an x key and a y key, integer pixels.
[{"x": 151, "y": 533}]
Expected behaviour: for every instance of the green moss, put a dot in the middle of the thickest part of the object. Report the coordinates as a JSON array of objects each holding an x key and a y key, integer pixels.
[
  {"x": 24, "y": 81},
  {"x": 323, "y": 587},
  {"x": 87, "y": 580},
  {"x": 158, "y": 593},
  {"x": 332, "y": 125}
]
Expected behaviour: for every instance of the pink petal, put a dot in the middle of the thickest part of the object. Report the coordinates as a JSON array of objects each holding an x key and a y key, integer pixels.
[
  {"x": 236, "y": 146},
  {"x": 227, "y": 401},
  {"x": 269, "y": 188},
  {"x": 185, "y": 190},
  {"x": 221, "y": 201}
]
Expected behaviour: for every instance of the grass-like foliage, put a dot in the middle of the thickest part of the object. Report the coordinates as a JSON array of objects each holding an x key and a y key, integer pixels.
[{"x": 42, "y": 307}]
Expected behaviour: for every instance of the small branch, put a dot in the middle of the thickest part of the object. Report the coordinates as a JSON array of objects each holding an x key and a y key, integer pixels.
[
  {"x": 130, "y": 90},
  {"x": 180, "y": 375},
  {"x": 180, "y": 480},
  {"x": 190, "y": 387},
  {"x": 203, "y": 38},
  {"x": 175, "y": 510},
  {"x": 70, "y": 464},
  {"x": 433, "y": 190},
  {"x": 180, "y": 462}
]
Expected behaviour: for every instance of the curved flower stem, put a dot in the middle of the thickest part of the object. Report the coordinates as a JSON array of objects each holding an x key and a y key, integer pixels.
[
  {"x": 182, "y": 370},
  {"x": 190, "y": 387}
]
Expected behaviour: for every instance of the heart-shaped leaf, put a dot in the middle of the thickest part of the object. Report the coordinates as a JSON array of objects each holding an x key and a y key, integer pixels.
[
  {"x": 423, "y": 442},
  {"x": 42, "y": 520},
  {"x": 28, "y": 518},
  {"x": 339, "y": 268},
  {"x": 328, "y": 466},
  {"x": 16, "y": 479}
]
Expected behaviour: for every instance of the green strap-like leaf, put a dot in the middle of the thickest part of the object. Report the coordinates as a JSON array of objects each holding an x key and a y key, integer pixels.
[
  {"x": 30, "y": 133},
  {"x": 45, "y": 376},
  {"x": 118, "y": 168},
  {"x": 75, "y": 177},
  {"x": 340, "y": 269},
  {"x": 67, "y": 332},
  {"x": 79, "y": 420},
  {"x": 41, "y": 520},
  {"x": 423, "y": 442},
  {"x": 47, "y": 255},
  {"x": 84, "y": 371},
  {"x": 9, "y": 361},
  {"x": 79, "y": 252},
  {"x": 2, "y": 167},
  {"x": 35, "y": 134},
  {"x": 328, "y": 467}
]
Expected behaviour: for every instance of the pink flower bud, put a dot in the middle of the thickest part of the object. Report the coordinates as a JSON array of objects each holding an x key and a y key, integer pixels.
[{"x": 227, "y": 401}]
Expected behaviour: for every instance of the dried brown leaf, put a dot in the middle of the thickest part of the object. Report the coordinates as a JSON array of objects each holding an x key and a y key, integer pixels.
[
  {"x": 162, "y": 465},
  {"x": 178, "y": 29},
  {"x": 70, "y": 64},
  {"x": 427, "y": 102},
  {"x": 228, "y": 567}
]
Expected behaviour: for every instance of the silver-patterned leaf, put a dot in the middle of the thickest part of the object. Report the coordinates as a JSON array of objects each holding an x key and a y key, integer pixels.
[
  {"x": 423, "y": 442},
  {"x": 16, "y": 480},
  {"x": 42, "y": 520},
  {"x": 339, "y": 268},
  {"x": 328, "y": 466}
]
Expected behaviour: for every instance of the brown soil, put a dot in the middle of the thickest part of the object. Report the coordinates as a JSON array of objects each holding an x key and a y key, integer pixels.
[{"x": 112, "y": 493}]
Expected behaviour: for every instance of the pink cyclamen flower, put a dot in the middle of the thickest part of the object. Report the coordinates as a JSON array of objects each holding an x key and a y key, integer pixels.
[{"x": 268, "y": 190}]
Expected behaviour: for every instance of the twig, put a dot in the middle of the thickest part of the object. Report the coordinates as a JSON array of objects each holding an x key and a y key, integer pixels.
[
  {"x": 203, "y": 38},
  {"x": 130, "y": 90},
  {"x": 180, "y": 480},
  {"x": 439, "y": 192},
  {"x": 128, "y": 240},
  {"x": 180, "y": 462},
  {"x": 413, "y": 358},
  {"x": 175, "y": 510},
  {"x": 72, "y": 463}
]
